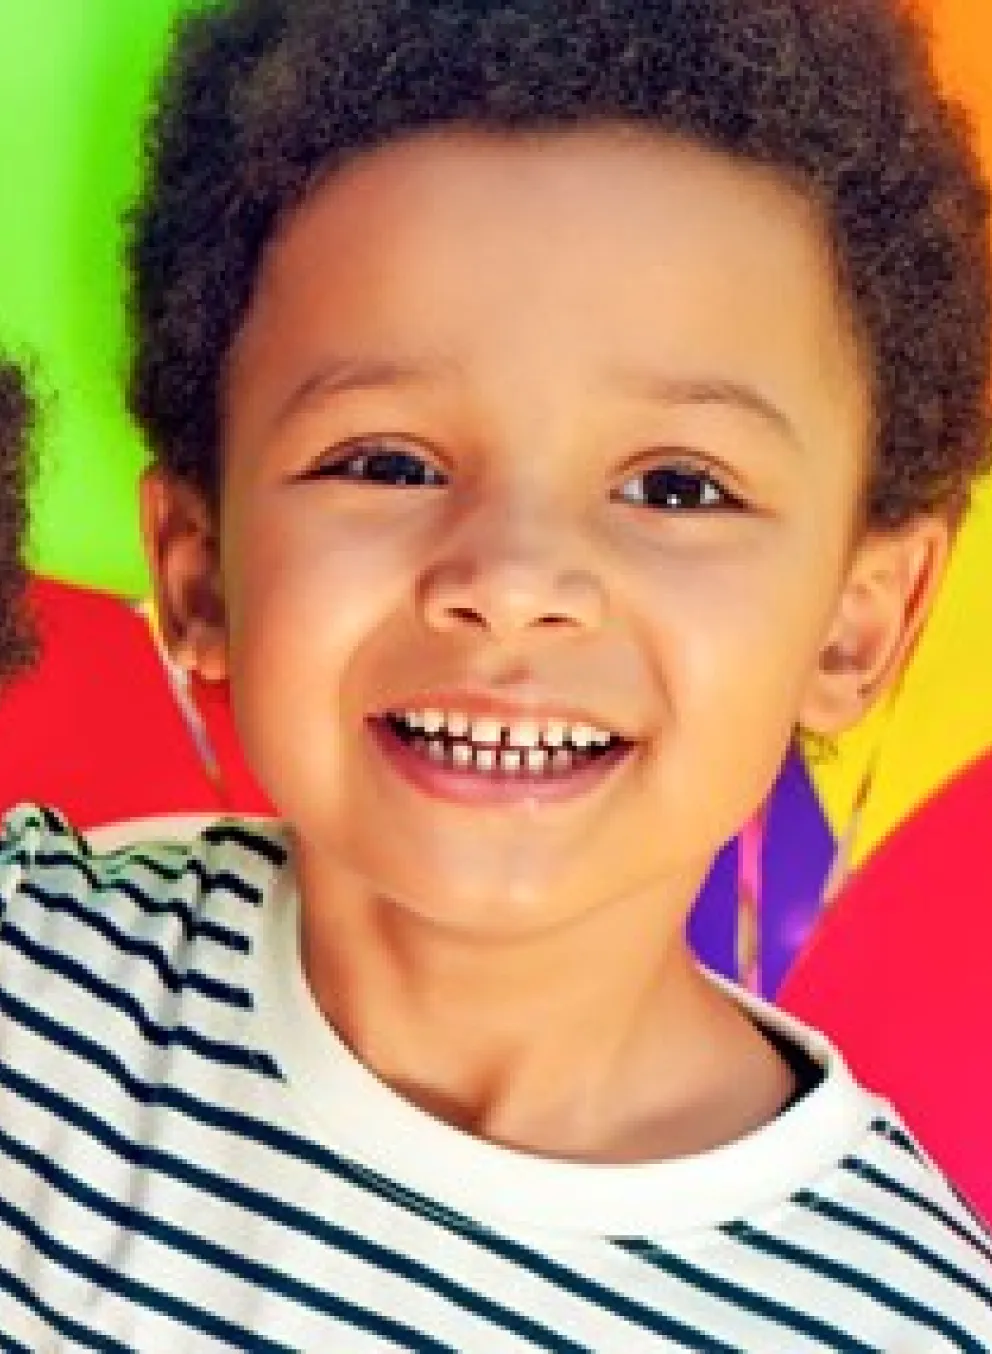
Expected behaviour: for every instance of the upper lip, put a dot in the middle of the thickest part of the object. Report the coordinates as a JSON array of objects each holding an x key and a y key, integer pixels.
[{"x": 482, "y": 705}]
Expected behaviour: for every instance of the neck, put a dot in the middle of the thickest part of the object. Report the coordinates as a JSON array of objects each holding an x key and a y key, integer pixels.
[{"x": 598, "y": 1040}]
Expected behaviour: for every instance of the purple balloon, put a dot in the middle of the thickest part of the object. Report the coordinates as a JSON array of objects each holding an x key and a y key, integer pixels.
[{"x": 798, "y": 850}]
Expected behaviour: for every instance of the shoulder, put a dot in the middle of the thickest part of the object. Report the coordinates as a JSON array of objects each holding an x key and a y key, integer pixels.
[
  {"x": 55, "y": 888},
  {"x": 858, "y": 1221},
  {"x": 886, "y": 1225}
]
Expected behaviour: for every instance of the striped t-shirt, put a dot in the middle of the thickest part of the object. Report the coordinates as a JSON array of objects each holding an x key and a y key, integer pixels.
[{"x": 190, "y": 1160}]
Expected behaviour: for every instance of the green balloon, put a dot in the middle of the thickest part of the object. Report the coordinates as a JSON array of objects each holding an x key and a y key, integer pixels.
[{"x": 75, "y": 76}]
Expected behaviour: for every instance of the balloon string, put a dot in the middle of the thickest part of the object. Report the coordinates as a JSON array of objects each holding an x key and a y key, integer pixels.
[
  {"x": 180, "y": 686},
  {"x": 751, "y": 903},
  {"x": 842, "y": 865},
  {"x": 750, "y": 850}
]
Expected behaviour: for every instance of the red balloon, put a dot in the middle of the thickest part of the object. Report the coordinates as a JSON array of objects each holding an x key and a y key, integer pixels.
[
  {"x": 95, "y": 729},
  {"x": 899, "y": 974}
]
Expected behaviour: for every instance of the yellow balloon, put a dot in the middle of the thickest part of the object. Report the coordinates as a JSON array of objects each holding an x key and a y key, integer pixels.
[{"x": 941, "y": 717}]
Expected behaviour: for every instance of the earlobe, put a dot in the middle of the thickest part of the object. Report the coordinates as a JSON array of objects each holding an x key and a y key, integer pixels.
[
  {"x": 181, "y": 547},
  {"x": 891, "y": 583}
]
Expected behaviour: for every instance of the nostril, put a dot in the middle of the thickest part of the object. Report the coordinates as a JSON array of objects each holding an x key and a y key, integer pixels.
[{"x": 466, "y": 615}]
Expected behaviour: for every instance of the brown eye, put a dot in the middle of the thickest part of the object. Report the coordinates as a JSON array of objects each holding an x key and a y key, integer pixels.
[
  {"x": 382, "y": 464},
  {"x": 674, "y": 489}
]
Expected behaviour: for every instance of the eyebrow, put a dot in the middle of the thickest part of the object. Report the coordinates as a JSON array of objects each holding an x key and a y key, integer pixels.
[
  {"x": 342, "y": 375},
  {"x": 689, "y": 390}
]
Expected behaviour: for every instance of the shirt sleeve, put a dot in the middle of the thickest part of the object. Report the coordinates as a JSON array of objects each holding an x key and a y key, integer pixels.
[{"x": 28, "y": 836}]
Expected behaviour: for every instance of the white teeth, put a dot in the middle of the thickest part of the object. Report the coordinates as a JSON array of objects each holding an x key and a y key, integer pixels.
[
  {"x": 511, "y": 760},
  {"x": 487, "y": 731},
  {"x": 525, "y": 733},
  {"x": 435, "y": 750},
  {"x": 554, "y": 733},
  {"x": 485, "y": 759},
  {"x": 582, "y": 735},
  {"x": 562, "y": 760},
  {"x": 537, "y": 760},
  {"x": 461, "y": 755}
]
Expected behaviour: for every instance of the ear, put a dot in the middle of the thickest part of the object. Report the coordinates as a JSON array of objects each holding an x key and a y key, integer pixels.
[
  {"x": 890, "y": 586},
  {"x": 177, "y": 526}
]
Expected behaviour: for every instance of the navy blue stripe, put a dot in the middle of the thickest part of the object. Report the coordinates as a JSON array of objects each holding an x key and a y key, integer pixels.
[
  {"x": 873, "y": 1176},
  {"x": 253, "y": 1273},
  {"x": 223, "y": 881},
  {"x": 216, "y": 990},
  {"x": 241, "y": 835},
  {"x": 154, "y": 855},
  {"x": 829, "y": 1337},
  {"x": 20, "y": 855},
  {"x": 891, "y": 1132},
  {"x": 8, "y": 1344},
  {"x": 106, "y": 880},
  {"x": 223, "y": 832},
  {"x": 880, "y": 1293},
  {"x": 213, "y": 1050},
  {"x": 895, "y": 1134},
  {"x": 240, "y": 1125},
  {"x": 55, "y": 1321},
  {"x": 262, "y": 1205},
  {"x": 97, "y": 1055},
  {"x": 136, "y": 1293},
  {"x": 56, "y": 824},
  {"x": 868, "y": 1226},
  {"x": 95, "y": 920}
]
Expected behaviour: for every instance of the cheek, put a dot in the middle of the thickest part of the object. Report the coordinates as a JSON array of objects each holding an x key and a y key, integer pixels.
[
  {"x": 737, "y": 639},
  {"x": 305, "y": 598},
  {"x": 297, "y": 578}
]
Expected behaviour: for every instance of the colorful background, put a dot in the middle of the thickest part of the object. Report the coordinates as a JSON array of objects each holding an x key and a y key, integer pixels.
[{"x": 74, "y": 78}]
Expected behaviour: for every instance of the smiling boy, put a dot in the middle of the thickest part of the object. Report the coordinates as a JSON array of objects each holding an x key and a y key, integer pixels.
[{"x": 554, "y": 407}]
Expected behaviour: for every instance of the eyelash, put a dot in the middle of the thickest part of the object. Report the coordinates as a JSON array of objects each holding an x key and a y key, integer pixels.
[
  {"x": 400, "y": 467},
  {"x": 387, "y": 458},
  {"x": 670, "y": 481}
]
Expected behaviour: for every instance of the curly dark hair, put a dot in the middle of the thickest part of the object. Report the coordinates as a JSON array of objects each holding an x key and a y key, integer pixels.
[
  {"x": 262, "y": 97},
  {"x": 16, "y": 414}
]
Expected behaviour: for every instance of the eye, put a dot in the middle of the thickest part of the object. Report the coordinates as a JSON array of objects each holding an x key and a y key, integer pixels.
[
  {"x": 380, "y": 463},
  {"x": 677, "y": 489}
]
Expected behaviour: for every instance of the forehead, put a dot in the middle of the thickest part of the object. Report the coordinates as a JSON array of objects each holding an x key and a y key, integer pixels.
[{"x": 579, "y": 251}]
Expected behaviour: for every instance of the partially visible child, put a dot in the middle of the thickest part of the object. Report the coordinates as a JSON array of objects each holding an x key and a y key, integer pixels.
[
  {"x": 555, "y": 404},
  {"x": 15, "y": 422}
]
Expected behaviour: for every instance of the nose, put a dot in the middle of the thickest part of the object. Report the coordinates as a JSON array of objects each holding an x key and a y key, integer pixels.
[{"x": 506, "y": 579}]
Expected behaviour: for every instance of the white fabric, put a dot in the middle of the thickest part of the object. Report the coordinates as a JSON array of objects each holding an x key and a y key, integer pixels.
[{"x": 191, "y": 1160}]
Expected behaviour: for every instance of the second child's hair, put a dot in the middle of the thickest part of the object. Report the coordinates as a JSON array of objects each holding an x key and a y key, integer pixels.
[
  {"x": 16, "y": 415},
  {"x": 264, "y": 97}
]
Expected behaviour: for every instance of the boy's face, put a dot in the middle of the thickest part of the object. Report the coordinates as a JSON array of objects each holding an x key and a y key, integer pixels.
[{"x": 617, "y": 371}]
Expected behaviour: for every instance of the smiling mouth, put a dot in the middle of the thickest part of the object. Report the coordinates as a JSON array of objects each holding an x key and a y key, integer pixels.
[{"x": 528, "y": 749}]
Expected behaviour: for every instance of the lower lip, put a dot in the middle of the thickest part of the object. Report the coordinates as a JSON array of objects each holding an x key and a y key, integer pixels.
[{"x": 482, "y": 788}]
